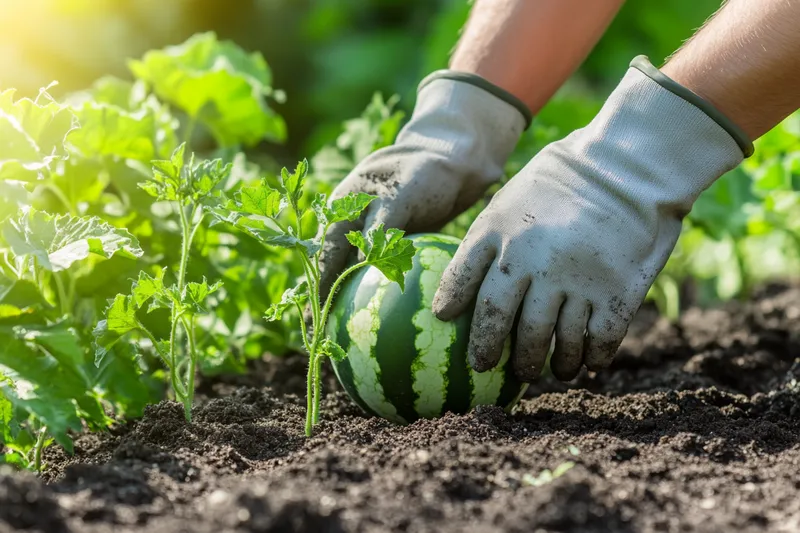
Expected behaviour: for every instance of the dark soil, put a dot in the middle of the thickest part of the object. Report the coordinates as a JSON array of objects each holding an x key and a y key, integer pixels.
[{"x": 696, "y": 427}]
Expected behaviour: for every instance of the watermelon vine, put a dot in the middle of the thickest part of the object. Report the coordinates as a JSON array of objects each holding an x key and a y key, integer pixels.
[{"x": 257, "y": 211}]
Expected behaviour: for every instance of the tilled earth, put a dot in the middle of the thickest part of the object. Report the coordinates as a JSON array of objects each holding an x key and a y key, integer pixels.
[{"x": 695, "y": 428}]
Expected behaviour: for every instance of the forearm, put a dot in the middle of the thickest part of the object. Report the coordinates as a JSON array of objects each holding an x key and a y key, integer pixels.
[
  {"x": 746, "y": 62},
  {"x": 530, "y": 47}
]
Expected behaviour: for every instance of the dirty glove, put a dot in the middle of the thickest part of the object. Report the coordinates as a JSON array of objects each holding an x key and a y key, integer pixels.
[
  {"x": 572, "y": 243},
  {"x": 452, "y": 149}
]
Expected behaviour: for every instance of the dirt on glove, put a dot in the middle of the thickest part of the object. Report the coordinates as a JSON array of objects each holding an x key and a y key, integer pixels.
[{"x": 694, "y": 428}]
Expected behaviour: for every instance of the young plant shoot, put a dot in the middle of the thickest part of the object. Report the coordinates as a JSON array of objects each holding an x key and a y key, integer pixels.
[
  {"x": 257, "y": 210},
  {"x": 186, "y": 186}
]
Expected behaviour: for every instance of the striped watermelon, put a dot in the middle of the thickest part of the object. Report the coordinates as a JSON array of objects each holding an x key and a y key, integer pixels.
[{"x": 402, "y": 363}]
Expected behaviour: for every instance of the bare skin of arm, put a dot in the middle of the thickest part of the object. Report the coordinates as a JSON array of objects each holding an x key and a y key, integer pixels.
[
  {"x": 530, "y": 47},
  {"x": 746, "y": 62}
]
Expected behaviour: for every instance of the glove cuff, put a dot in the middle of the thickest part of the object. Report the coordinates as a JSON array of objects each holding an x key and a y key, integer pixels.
[
  {"x": 643, "y": 65},
  {"x": 481, "y": 83}
]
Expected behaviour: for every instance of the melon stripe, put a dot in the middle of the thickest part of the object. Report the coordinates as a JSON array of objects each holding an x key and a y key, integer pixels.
[
  {"x": 486, "y": 386},
  {"x": 337, "y": 330},
  {"x": 433, "y": 338},
  {"x": 394, "y": 346},
  {"x": 363, "y": 326}
]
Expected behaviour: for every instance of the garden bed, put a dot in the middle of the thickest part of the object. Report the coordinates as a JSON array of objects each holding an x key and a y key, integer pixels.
[{"x": 695, "y": 428}]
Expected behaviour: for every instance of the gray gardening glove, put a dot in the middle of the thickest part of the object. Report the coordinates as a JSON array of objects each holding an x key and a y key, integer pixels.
[
  {"x": 452, "y": 149},
  {"x": 572, "y": 243}
]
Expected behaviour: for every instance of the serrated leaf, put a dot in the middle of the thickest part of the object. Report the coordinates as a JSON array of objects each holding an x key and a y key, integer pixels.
[
  {"x": 175, "y": 180},
  {"x": 219, "y": 84},
  {"x": 32, "y": 136},
  {"x": 195, "y": 294},
  {"x": 292, "y": 182},
  {"x": 110, "y": 131},
  {"x": 147, "y": 287},
  {"x": 349, "y": 208},
  {"x": 333, "y": 350},
  {"x": 387, "y": 251},
  {"x": 119, "y": 118},
  {"x": 291, "y": 297},
  {"x": 58, "y": 241},
  {"x": 266, "y": 232},
  {"x": 262, "y": 200},
  {"x": 47, "y": 381},
  {"x": 120, "y": 319}
]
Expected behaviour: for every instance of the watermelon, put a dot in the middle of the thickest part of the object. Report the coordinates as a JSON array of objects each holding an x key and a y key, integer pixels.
[{"x": 402, "y": 362}]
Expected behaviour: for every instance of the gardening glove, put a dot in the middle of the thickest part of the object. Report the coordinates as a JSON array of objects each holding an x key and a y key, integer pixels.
[
  {"x": 452, "y": 149},
  {"x": 573, "y": 242}
]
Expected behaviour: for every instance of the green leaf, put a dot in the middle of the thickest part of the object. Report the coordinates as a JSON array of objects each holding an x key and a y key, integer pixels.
[
  {"x": 175, "y": 180},
  {"x": 121, "y": 382},
  {"x": 195, "y": 294},
  {"x": 111, "y": 131},
  {"x": 347, "y": 209},
  {"x": 219, "y": 85},
  {"x": 333, "y": 350},
  {"x": 291, "y": 298},
  {"x": 6, "y": 414},
  {"x": 387, "y": 251},
  {"x": 22, "y": 294},
  {"x": 58, "y": 241},
  {"x": 118, "y": 118},
  {"x": 266, "y": 231},
  {"x": 147, "y": 287},
  {"x": 262, "y": 200},
  {"x": 120, "y": 319},
  {"x": 293, "y": 182},
  {"x": 44, "y": 364},
  {"x": 32, "y": 136}
]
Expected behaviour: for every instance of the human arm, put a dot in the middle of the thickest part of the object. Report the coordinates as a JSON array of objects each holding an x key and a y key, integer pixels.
[
  {"x": 467, "y": 120},
  {"x": 571, "y": 245},
  {"x": 746, "y": 62},
  {"x": 529, "y": 48}
]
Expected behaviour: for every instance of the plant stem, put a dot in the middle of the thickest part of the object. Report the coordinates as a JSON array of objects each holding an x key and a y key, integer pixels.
[
  {"x": 186, "y": 234},
  {"x": 187, "y": 396},
  {"x": 38, "y": 447},
  {"x": 173, "y": 365},
  {"x": 309, "y": 395},
  {"x": 188, "y": 326},
  {"x": 335, "y": 287},
  {"x": 317, "y": 388},
  {"x": 313, "y": 386}
]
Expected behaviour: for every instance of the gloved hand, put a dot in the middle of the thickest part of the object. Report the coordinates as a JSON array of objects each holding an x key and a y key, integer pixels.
[
  {"x": 452, "y": 149},
  {"x": 572, "y": 243}
]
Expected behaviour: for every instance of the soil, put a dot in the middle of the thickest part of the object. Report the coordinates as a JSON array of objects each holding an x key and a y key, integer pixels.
[{"x": 696, "y": 427}]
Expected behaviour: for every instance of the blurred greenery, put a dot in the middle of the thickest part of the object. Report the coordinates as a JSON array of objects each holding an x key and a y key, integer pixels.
[{"x": 329, "y": 56}]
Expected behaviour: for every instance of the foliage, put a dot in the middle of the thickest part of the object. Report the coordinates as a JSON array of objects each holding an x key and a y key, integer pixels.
[
  {"x": 258, "y": 211},
  {"x": 98, "y": 192}
]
